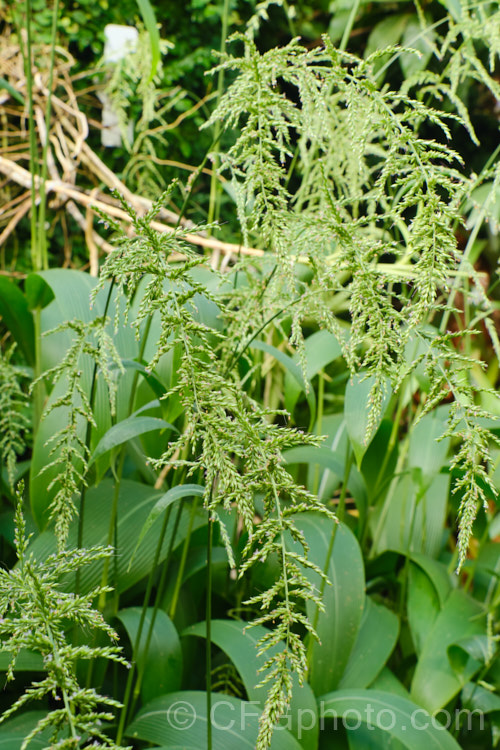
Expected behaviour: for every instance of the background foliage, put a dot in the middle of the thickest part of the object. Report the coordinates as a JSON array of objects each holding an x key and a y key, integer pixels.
[{"x": 249, "y": 362}]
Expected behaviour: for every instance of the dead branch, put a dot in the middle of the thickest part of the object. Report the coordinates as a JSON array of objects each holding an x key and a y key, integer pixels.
[{"x": 23, "y": 178}]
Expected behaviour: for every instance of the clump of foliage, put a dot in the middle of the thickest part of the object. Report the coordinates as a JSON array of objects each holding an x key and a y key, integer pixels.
[
  {"x": 228, "y": 438},
  {"x": 347, "y": 198},
  {"x": 35, "y": 613},
  {"x": 68, "y": 450},
  {"x": 14, "y": 423},
  {"x": 349, "y": 270}
]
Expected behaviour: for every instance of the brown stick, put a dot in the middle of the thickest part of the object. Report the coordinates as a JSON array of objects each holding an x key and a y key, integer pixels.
[
  {"x": 23, "y": 209},
  {"x": 23, "y": 178}
]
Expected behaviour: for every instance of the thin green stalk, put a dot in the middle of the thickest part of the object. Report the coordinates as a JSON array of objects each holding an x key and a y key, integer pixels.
[
  {"x": 208, "y": 620},
  {"x": 283, "y": 558},
  {"x": 492, "y": 597},
  {"x": 111, "y": 530},
  {"x": 160, "y": 590},
  {"x": 452, "y": 565},
  {"x": 463, "y": 262},
  {"x": 406, "y": 567},
  {"x": 292, "y": 166},
  {"x": 291, "y": 25},
  {"x": 56, "y": 656},
  {"x": 194, "y": 178},
  {"x": 349, "y": 25},
  {"x": 140, "y": 357},
  {"x": 465, "y": 256},
  {"x": 340, "y": 516},
  {"x": 182, "y": 563},
  {"x": 113, "y": 521},
  {"x": 472, "y": 571},
  {"x": 319, "y": 424},
  {"x": 38, "y": 233},
  {"x": 478, "y": 679},
  {"x": 405, "y": 444},
  {"x": 42, "y": 237},
  {"x": 65, "y": 697},
  {"x": 39, "y": 389},
  {"x": 214, "y": 202},
  {"x": 385, "y": 508},
  {"x": 147, "y": 594},
  {"x": 405, "y": 574},
  {"x": 312, "y": 157},
  {"x": 240, "y": 352},
  {"x": 88, "y": 434},
  {"x": 392, "y": 439},
  {"x": 35, "y": 256}
]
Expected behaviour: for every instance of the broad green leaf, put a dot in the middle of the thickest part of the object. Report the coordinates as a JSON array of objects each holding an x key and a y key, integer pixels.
[
  {"x": 423, "y": 606},
  {"x": 470, "y": 653},
  {"x": 294, "y": 371},
  {"x": 15, "y": 730},
  {"x": 374, "y": 644},
  {"x": 430, "y": 517},
  {"x": 152, "y": 380},
  {"x": 402, "y": 719},
  {"x": 135, "y": 502},
  {"x": 17, "y": 317},
  {"x": 181, "y": 719},
  {"x": 125, "y": 430},
  {"x": 26, "y": 661},
  {"x": 419, "y": 40},
  {"x": 13, "y": 740},
  {"x": 68, "y": 294},
  {"x": 437, "y": 573},
  {"x": 321, "y": 348},
  {"x": 435, "y": 682},
  {"x": 140, "y": 451},
  {"x": 70, "y": 299},
  {"x": 41, "y": 474},
  {"x": 487, "y": 572},
  {"x": 4, "y": 84},
  {"x": 477, "y": 698},
  {"x": 386, "y": 33},
  {"x": 163, "y": 661},
  {"x": 371, "y": 466},
  {"x": 239, "y": 642},
  {"x": 38, "y": 292},
  {"x": 344, "y": 600},
  {"x": 149, "y": 406},
  {"x": 338, "y": 22},
  {"x": 484, "y": 202},
  {"x": 149, "y": 18},
  {"x": 161, "y": 505},
  {"x": 368, "y": 737},
  {"x": 412, "y": 516},
  {"x": 454, "y": 8},
  {"x": 357, "y": 411},
  {"x": 389, "y": 683},
  {"x": 196, "y": 562},
  {"x": 322, "y": 481},
  {"x": 428, "y": 589},
  {"x": 425, "y": 451},
  {"x": 322, "y": 456}
]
